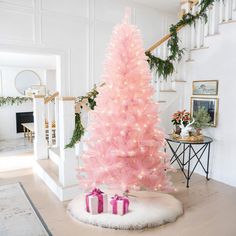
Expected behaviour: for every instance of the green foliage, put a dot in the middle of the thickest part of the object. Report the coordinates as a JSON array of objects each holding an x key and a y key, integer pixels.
[
  {"x": 78, "y": 132},
  {"x": 202, "y": 119},
  {"x": 13, "y": 100},
  {"x": 165, "y": 68},
  {"x": 89, "y": 101}
]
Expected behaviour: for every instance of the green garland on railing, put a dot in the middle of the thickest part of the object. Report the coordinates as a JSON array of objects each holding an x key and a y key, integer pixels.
[
  {"x": 84, "y": 101},
  {"x": 13, "y": 100},
  {"x": 166, "y": 67}
]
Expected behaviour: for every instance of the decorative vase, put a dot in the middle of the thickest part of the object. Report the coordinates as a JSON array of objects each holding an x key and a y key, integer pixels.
[
  {"x": 177, "y": 129},
  {"x": 198, "y": 131}
]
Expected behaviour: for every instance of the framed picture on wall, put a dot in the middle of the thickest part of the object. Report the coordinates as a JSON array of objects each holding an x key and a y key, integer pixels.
[
  {"x": 205, "y": 87},
  {"x": 210, "y": 104}
]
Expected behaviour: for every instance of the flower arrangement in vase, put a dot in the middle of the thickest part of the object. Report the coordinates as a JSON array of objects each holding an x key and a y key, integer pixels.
[{"x": 180, "y": 117}]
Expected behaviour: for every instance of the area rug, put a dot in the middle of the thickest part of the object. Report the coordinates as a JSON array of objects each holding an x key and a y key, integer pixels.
[
  {"x": 144, "y": 212},
  {"x": 18, "y": 215}
]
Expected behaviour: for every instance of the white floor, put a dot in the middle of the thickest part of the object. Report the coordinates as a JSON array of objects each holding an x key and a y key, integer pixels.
[{"x": 15, "y": 154}]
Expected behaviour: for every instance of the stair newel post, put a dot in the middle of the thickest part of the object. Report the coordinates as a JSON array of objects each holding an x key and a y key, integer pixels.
[
  {"x": 68, "y": 161},
  {"x": 57, "y": 140},
  {"x": 40, "y": 142}
]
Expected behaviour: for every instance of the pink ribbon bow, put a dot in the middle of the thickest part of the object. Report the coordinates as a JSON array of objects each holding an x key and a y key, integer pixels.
[
  {"x": 95, "y": 192},
  {"x": 114, "y": 203}
]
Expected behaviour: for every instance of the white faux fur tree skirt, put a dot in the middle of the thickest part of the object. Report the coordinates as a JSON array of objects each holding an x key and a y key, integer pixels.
[{"x": 147, "y": 210}]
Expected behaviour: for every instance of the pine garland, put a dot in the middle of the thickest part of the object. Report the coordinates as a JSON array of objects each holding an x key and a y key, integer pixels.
[
  {"x": 84, "y": 101},
  {"x": 165, "y": 68},
  {"x": 13, "y": 100}
]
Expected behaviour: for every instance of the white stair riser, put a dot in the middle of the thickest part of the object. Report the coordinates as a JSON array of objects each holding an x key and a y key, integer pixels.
[
  {"x": 54, "y": 157},
  {"x": 63, "y": 194}
]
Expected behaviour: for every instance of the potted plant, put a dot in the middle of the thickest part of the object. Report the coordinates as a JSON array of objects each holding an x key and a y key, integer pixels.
[
  {"x": 180, "y": 117},
  {"x": 202, "y": 120}
]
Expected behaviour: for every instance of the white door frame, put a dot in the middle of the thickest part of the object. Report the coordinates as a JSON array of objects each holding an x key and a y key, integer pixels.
[{"x": 62, "y": 67}]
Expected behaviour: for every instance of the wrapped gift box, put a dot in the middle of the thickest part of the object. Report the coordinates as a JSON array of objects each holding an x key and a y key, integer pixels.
[
  {"x": 96, "y": 201},
  {"x": 120, "y": 205}
]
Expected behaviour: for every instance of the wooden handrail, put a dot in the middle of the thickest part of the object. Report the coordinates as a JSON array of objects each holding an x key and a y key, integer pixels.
[
  {"x": 50, "y": 98},
  {"x": 166, "y": 37}
]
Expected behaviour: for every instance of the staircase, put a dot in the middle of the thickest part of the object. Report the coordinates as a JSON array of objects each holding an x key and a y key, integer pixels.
[{"x": 170, "y": 92}]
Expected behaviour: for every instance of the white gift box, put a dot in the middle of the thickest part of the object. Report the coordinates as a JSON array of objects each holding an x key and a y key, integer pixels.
[{"x": 93, "y": 204}]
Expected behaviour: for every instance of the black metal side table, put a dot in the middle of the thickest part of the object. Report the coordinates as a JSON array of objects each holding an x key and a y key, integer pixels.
[{"x": 189, "y": 153}]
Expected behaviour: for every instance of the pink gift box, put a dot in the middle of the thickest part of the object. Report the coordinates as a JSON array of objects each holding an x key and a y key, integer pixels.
[
  {"x": 120, "y": 205},
  {"x": 96, "y": 201}
]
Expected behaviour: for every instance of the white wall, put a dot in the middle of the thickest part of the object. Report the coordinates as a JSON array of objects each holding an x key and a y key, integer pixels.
[
  {"x": 8, "y": 112},
  {"x": 77, "y": 30},
  {"x": 7, "y": 79},
  {"x": 218, "y": 63}
]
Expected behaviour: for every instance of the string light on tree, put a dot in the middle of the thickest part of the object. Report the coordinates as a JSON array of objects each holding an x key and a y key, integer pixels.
[{"x": 129, "y": 156}]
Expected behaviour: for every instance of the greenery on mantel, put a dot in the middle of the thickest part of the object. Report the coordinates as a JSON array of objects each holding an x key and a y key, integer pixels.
[
  {"x": 86, "y": 102},
  {"x": 13, "y": 100},
  {"x": 165, "y": 67}
]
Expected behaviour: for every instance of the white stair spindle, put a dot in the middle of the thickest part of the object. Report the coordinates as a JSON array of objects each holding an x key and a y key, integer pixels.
[
  {"x": 40, "y": 142},
  {"x": 158, "y": 88},
  {"x": 210, "y": 21},
  {"x": 234, "y": 5},
  {"x": 201, "y": 36},
  {"x": 49, "y": 106},
  {"x": 216, "y": 17},
  {"x": 228, "y": 10},
  {"x": 222, "y": 11},
  {"x": 194, "y": 31},
  {"x": 57, "y": 122}
]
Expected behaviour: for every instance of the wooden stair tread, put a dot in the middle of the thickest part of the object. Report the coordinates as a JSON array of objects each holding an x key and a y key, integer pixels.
[
  {"x": 197, "y": 49},
  {"x": 180, "y": 81},
  {"x": 50, "y": 168},
  {"x": 228, "y": 22},
  {"x": 168, "y": 90}
]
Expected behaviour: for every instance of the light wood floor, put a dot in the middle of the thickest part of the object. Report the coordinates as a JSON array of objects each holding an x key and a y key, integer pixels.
[{"x": 210, "y": 209}]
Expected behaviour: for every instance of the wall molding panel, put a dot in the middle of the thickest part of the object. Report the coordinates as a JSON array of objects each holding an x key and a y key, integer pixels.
[{"x": 78, "y": 31}]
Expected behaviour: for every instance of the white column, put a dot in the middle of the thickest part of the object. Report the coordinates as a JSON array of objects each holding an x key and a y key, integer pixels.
[
  {"x": 40, "y": 142},
  {"x": 68, "y": 162}
]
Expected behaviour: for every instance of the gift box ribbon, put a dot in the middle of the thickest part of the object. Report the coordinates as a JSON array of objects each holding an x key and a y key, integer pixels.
[
  {"x": 98, "y": 193},
  {"x": 114, "y": 203}
]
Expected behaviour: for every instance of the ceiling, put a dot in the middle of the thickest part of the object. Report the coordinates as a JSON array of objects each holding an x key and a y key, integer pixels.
[{"x": 170, "y": 6}]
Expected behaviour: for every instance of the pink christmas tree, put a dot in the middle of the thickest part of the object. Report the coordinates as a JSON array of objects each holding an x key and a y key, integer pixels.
[{"x": 124, "y": 148}]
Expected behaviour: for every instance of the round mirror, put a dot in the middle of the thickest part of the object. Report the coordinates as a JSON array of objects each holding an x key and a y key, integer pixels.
[{"x": 25, "y": 79}]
